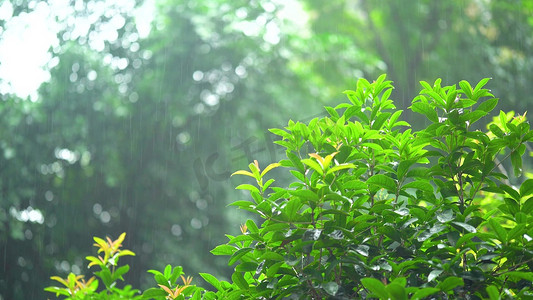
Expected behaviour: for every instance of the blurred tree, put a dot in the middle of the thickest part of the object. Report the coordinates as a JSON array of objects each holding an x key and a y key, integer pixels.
[
  {"x": 137, "y": 135},
  {"x": 423, "y": 40},
  {"x": 21, "y": 185}
]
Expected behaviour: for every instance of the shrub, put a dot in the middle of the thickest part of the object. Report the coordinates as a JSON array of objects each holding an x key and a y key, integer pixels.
[
  {"x": 75, "y": 286},
  {"x": 378, "y": 210}
]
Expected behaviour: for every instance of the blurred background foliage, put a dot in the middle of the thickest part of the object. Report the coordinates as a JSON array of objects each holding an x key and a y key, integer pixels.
[{"x": 138, "y": 130}]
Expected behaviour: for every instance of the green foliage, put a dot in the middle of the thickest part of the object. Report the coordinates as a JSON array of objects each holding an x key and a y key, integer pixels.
[
  {"x": 75, "y": 287},
  {"x": 378, "y": 210},
  {"x": 152, "y": 124}
]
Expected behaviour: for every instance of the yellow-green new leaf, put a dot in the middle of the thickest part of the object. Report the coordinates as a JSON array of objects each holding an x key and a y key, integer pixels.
[
  {"x": 120, "y": 239},
  {"x": 93, "y": 261},
  {"x": 270, "y": 167},
  {"x": 254, "y": 167},
  {"x": 126, "y": 252},
  {"x": 340, "y": 167},
  {"x": 327, "y": 160},
  {"x": 314, "y": 165},
  {"x": 59, "y": 279},
  {"x": 242, "y": 172}
]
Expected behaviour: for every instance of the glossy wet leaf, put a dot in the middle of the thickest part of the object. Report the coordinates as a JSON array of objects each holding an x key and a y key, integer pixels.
[
  {"x": 376, "y": 287},
  {"x": 331, "y": 288}
]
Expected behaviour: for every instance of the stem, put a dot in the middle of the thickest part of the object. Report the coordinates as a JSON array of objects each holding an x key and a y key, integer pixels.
[
  {"x": 461, "y": 189},
  {"x": 499, "y": 166},
  {"x": 513, "y": 267},
  {"x": 314, "y": 293}
]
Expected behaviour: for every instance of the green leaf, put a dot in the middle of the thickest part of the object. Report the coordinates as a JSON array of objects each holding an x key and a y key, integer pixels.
[
  {"x": 500, "y": 231},
  {"x": 239, "y": 280},
  {"x": 450, "y": 283},
  {"x": 427, "y": 110},
  {"x": 121, "y": 271},
  {"x": 383, "y": 181},
  {"x": 268, "y": 183},
  {"x": 521, "y": 275},
  {"x": 403, "y": 167},
  {"x": 468, "y": 227},
  {"x": 340, "y": 167},
  {"x": 241, "y": 238},
  {"x": 376, "y": 287},
  {"x": 212, "y": 280},
  {"x": 155, "y": 272},
  {"x": 466, "y": 88},
  {"x": 58, "y": 291},
  {"x": 295, "y": 160},
  {"x": 246, "y": 267},
  {"x": 313, "y": 165},
  {"x": 299, "y": 175},
  {"x": 445, "y": 216},
  {"x": 247, "y": 187},
  {"x": 528, "y": 137},
  {"x": 332, "y": 112},
  {"x": 176, "y": 272},
  {"x": 426, "y": 85},
  {"x": 154, "y": 293},
  {"x": 269, "y": 167},
  {"x": 423, "y": 293},
  {"x": 254, "y": 167},
  {"x": 527, "y": 207},
  {"x": 305, "y": 195},
  {"x": 474, "y": 116},
  {"x": 257, "y": 197},
  {"x": 243, "y": 172},
  {"x": 394, "y": 117},
  {"x": 526, "y": 188},
  {"x": 467, "y": 238},
  {"x": 243, "y": 204},
  {"x": 402, "y": 281},
  {"x": 197, "y": 295},
  {"x": 238, "y": 254},
  {"x": 512, "y": 205},
  {"x": 481, "y": 84},
  {"x": 516, "y": 231},
  {"x": 516, "y": 161},
  {"x": 223, "y": 250},
  {"x": 355, "y": 185},
  {"x": 520, "y": 218},
  {"x": 160, "y": 279},
  {"x": 493, "y": 292},
  {"x": 269, "y": 255},
  {"x": 291, "y": 208},
  {"x": 331, "y": 288},
  {"x": 419, "y": 184},
  {"x": 430, "y": 232},
  {"x": 250, "y": 224},
  {"x": 438, "y": 99},
  {"x": 380, "y": 120},
  {"x": 488, "y": 105},
  {"x": 280, "y": 132},
  {"x": 167, "y": 271},
  {"x": 510, "y": 191},
  {"x": 496, "y": 130},
  {"x": 396, "y": 291},
  {"x": 434, "y": 274},
  {"x": 503, "y": 120},
  {"x": 105, "y": 275}
]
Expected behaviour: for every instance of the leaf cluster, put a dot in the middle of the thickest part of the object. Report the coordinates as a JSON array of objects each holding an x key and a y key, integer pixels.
[{"x": 376, "y": 209}]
